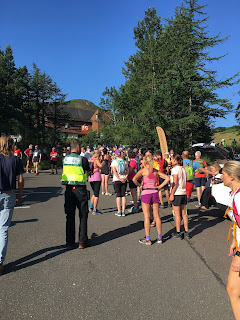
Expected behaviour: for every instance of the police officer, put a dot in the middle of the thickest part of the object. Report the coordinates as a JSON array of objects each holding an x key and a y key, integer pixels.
[{"x": 75, "y": 172}]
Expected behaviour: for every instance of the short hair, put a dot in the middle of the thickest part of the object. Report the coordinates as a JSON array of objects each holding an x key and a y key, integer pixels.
[
  {"x": 6, "y": 146},
  {"x": 198, "y": 154},
  {"x": 158, "y": 153},
  {"x": 105, "y": 151},
  {"x": 131, "y": 154},
  {"x": 75, "y": 143}
]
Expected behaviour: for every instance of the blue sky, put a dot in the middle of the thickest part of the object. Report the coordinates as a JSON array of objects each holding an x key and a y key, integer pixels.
[{"x": 82, "y": 45}]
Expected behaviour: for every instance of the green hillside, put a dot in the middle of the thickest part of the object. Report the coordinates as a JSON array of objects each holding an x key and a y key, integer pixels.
[
  {"x": 228, "y": 134},
  {"x": 81, "y": 104}
]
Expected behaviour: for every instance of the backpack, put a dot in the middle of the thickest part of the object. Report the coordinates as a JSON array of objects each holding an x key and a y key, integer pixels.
[
  {"x": 121, "y": 166},
  {"x": 189, "y": 168},
  {"x": 200, "y": 162},
  {"x": 138, "y": 165}
]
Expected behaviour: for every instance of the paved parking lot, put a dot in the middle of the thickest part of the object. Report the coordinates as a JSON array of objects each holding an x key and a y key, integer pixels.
[{"x": 116, "y": 278}]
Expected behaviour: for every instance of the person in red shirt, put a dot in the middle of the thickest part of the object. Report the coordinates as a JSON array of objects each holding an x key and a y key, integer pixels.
[
  {"x": 53, "y": 159},
  {"x": 200, "y": 177},
  {"x": 163, "y": 168},
  {"x": 17, "y": 152},
  {"x": 29, "y": 154}
]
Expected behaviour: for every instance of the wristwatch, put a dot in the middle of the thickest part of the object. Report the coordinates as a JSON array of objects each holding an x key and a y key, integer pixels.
[{"x": 237, "y": 253}]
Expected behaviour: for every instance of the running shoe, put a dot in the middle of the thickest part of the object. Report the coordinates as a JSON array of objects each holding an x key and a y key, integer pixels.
[
  {"x": 103, "y": 193},
  {"x": 134, "y": 210},
  {"x": 123, "y": 214},
  {"x": 131, "y": 201},
  {"x": 162, "y": 206},
  {"x": 118, "y": 214},
  {"x": 159, "y": 240},
  {"x": 187, "y": 235},
  {"x": 108, "y": 194},
  {"x": 198, "y": 205},
  {"x": 177, "y": 235},
  {"x": 94, "y": 212},
  {"x": 145, "y": 241}
]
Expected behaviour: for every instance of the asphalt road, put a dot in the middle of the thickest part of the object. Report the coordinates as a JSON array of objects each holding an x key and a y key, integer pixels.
[{"x": 116, "y": 278}]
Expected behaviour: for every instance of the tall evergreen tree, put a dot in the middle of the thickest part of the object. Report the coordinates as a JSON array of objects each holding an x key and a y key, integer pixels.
[{"x": 168, "y": 81}]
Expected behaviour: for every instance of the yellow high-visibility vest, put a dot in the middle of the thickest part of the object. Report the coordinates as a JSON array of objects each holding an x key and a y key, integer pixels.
[{"x": 73, "y": 173}]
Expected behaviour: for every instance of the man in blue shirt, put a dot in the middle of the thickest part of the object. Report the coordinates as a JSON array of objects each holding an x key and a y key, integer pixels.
[
  {"x": 189, "y": 163},
  {"x": 10, "y": 167}
]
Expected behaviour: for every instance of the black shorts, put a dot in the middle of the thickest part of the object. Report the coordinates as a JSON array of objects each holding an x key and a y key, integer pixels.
[
  {"x": 132, "y": 185},
  {"x": 95, "y": 185},
  {"x": 179, "y": 200},
  {"x": 29, "y": 159},
  {"x": 120, "y": 188},
  {"x": 36, "y": 159},
  {"x": 53, "y": 162}
]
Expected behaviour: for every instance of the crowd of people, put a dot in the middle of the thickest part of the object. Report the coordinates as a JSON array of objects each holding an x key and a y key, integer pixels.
[{"x": 147, "y": 175}]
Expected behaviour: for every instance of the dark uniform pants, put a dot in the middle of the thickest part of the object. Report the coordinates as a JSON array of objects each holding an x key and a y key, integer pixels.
[{"x": 77, "y": 197}]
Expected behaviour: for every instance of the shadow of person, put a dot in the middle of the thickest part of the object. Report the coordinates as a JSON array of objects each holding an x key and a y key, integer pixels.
[
  {"x": 13, "y": 223},
  {"x": 117, "y": 233},
  {"x": 34, "y": 258}
]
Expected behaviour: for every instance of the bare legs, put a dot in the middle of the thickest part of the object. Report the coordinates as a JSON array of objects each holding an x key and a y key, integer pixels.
[
  {"x": 199, "y": 193},
  {"x": 134, "y": 196},
  {"x": 104, "y": 183},
  {"x": 146, "y": 212},
  {"x": 178, "y": 212},
  {"x": 233, "y": 289},
  {"x": 121, "y": 204}
]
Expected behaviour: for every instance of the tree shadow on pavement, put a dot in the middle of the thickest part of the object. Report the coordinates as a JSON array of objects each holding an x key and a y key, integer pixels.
[
  {"x": 28, "y": 261},
  {"x": 117, "y": 233}
]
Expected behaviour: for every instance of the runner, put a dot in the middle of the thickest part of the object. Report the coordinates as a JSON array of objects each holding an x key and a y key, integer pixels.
[
  {"x": 163, "y": 167},
  {"x": 200, "y": 177},
  {"x": 179, "y": 196},
  {"x": 133, "y": 169},
  {"x": 17, "y": 152},
  {"x": 150, "y": 196},
  {"x": 191, "y": 167},
  {"x": 29, "y": 154},
  {"x": 37, "y": 157},
  {"x": 120, "y": 173},
  {"x": 105, "y": 171},
  {"x": 95, "y": 180},
  {"x": 53, "y": 159},
  {"x": 231, "y": 179}
]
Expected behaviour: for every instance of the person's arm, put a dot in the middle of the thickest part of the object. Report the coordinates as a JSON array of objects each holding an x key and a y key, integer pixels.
[
  {"x": 99, "y": 164},
  {"x": 40, "y": 157},
  {"x": 137, "y": 177},
  {"x": 20, "y": 188},
  {"x": 166, "y": 180},
  {"x": 21, "y": 155},
  {"x": 174, "y": 186}
]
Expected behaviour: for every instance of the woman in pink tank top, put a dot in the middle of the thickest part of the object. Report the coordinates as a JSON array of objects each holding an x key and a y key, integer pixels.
[{"x": 150, "y": 196}]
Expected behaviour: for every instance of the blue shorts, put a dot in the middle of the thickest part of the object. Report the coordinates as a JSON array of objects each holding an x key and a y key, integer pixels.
[{"x": 200, "y": 182}]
